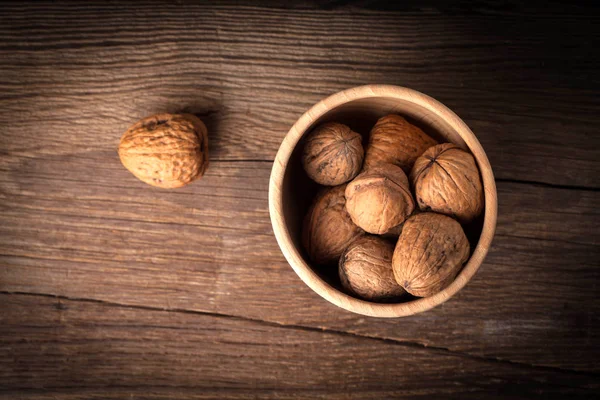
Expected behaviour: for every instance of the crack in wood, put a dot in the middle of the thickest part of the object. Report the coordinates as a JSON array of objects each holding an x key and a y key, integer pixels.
[
  {"x": 410, "y": 344},
  {"x": 548, "y": 185}
]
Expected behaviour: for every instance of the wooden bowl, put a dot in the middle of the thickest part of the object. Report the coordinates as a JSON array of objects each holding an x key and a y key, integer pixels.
[{"x": 291, "y": 191}]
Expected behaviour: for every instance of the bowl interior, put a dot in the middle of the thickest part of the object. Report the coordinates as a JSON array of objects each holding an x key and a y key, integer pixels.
[{"x": 360, "y": 115}]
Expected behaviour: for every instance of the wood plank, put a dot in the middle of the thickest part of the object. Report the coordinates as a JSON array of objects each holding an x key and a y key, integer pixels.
[
  {"x": 209, "y": 247},
  {"x": 74, "y": 223},
  {"x": 61, "y": 346},
  {"x": 74, "y": 78}
]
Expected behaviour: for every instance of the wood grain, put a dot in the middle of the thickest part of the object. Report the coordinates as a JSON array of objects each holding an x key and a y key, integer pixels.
[
  {"x": 217, "y": 253},
  {"x": 87, "y": 73},
  {"x": 59, "y": 345},
  {"x": 185, "y": 293}
]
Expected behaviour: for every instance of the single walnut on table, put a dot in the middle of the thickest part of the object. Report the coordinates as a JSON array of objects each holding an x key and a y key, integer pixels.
[
  {"x": 365, "y": 269},
  {"x": 333, "y": 154},
  {"x": 328, "y": 229},
  {"x": 379, "y": 198},
  {"x": 396, "y": 141},
  {"x": 446, "y": 180},
  {"x": 166, "y": 150},
  {"x": 430, "y": 252}
]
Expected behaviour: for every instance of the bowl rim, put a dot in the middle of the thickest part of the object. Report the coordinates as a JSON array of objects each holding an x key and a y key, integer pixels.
[{"x": 295, "y": 259}]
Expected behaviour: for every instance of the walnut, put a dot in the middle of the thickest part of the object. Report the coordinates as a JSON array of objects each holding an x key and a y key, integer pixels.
[
  {"x": 379, "y": 198},
  {"x": 394, "y": 140},
  {"x": 446, "y": 180},
  {"x": 429, "y": 254},
  {"x": 166, "y": 150},
  {"x": 333, "y": 154},
  {"x": 365, "y": 269},
  {"x": 328, "y": 229}
]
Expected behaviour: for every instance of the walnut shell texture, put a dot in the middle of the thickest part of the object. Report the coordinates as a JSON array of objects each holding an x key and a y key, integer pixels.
[
  {"x": 446, "y": 180},
  {"x": 394, "y": 140},
  {"x": 166, "y": 150},
  {"x": 328, "y": 229},
  {"x": 365, "y": 269},
  {"x": 333, "y": 154},
  {"x": 379, "y": 198},
  {"x": 429, "y": 254}
]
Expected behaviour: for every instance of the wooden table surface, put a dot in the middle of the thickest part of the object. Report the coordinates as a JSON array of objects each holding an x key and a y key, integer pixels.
[{"x": 111, "y": 288}]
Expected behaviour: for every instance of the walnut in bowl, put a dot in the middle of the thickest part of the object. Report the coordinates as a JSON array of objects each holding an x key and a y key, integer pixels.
[
  {"x": 333, "y": 154},
  {"x": 291, "y": 191}
]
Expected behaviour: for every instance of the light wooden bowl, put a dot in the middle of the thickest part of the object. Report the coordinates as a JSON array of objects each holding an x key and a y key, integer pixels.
[{"x": 290, "y": 190}]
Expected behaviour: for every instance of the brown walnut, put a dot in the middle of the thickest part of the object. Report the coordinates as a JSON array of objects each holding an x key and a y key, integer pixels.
[
  {"x": 379, "y": 198},
  {"x": 446, "y": 180},
  {"x": 429, "y": 254},
  {"x": 328, "y": 229},
  {"x": 333, "y": 154},
  {"x": 394, "y": 140},
  {"x": 365, "y": 269},
  {"x": 166, "y": 150}
]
